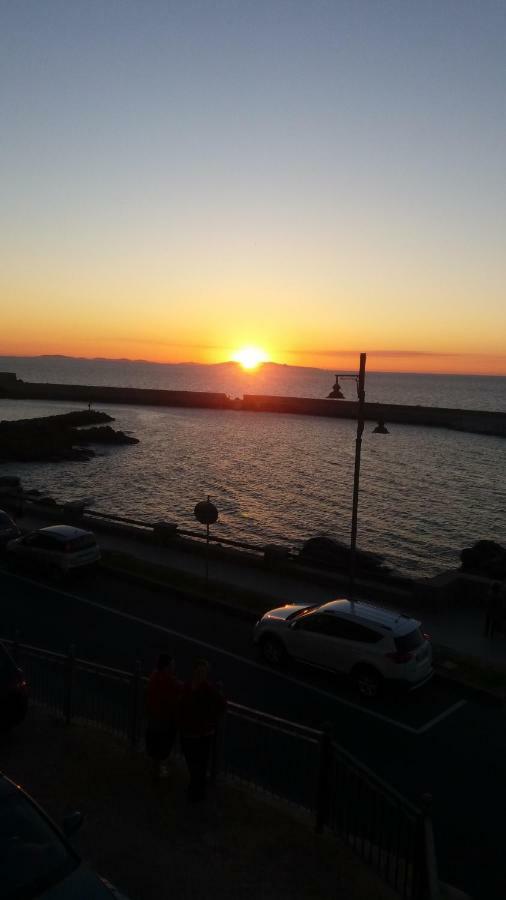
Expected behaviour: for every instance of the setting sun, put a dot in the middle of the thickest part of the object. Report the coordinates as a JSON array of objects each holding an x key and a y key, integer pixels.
[{"x": 250, "y": 357}]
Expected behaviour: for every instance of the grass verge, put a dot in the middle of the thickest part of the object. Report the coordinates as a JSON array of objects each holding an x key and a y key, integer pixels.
[{"x": 248, "y": 601}]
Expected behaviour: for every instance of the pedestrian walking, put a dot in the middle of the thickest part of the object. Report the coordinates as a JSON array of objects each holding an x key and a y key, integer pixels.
[
  {"x": 202, "y": 706},
  {"x": 162, "y": 707}
]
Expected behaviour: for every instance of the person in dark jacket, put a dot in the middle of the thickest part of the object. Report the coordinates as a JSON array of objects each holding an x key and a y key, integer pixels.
[
  {"x": 202, "y": 706},
  {"x": 162, "y": 709}
]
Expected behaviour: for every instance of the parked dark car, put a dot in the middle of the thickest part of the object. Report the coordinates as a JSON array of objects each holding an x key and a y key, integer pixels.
[
  {"x": 59, "y": 549},
  {"x": 13, "y": 692},
  {"x": 36, "y": 859},
  {"x": 8, "y": 528}
]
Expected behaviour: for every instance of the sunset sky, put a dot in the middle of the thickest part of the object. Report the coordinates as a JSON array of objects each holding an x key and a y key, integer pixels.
[{"x": 182, "y": 179}]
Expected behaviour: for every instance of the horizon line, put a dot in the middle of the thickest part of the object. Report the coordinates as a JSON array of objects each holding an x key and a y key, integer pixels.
[{"x": 382, "y": 353}]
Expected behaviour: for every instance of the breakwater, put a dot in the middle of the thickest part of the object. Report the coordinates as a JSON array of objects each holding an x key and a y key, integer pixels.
[{"x": 473, "y": 421}]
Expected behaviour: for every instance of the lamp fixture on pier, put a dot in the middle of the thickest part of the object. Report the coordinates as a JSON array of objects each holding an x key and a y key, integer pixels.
[{"x": 336, "y": 392}]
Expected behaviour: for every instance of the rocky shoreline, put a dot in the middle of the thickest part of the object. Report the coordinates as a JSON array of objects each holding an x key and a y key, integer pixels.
[{"x": 58, "y": 438}]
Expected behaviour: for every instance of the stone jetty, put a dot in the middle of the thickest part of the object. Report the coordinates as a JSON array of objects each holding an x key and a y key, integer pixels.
[{"x": 474, "y": 421}]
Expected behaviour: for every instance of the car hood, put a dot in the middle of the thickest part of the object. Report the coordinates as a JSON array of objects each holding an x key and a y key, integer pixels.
[
  {"x": 81, "y": 884},
  {"x": 282, "y": 613}
]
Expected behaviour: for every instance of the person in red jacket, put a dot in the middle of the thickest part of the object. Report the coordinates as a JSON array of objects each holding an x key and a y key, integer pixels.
[
  {"x": 162, "y": 709},
  {"x": 202, "y": 706}
]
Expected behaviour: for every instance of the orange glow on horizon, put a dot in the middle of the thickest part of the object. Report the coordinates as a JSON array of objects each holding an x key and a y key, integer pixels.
[{"x": 436, "y": 362}]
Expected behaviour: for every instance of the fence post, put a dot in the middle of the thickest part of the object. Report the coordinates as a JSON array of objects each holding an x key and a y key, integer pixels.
[
  {"x": 323, "y": 780},
  {"x": 135, "y": 708},
  {"x": 69, "y": 684},
  {"x": 16, "y": 655},
  {"x": 430, "y": 882},
  {"x": 217, "y": 749}
]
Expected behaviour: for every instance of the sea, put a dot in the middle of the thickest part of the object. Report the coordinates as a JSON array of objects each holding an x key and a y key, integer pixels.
[{"x": 425, "y": 493}]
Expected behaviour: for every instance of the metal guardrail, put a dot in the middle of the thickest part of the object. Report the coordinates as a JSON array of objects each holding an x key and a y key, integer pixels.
[
  {"x": 90, "y": 513},
  {"x": 297, "y": 764}
]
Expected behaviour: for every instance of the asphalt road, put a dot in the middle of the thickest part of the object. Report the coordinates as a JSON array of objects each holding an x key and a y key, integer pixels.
[{"x": 435, "y": 740}]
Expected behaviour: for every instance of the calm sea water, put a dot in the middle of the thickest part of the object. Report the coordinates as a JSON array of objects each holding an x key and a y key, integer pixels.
[{"x": 425, "y": 493}]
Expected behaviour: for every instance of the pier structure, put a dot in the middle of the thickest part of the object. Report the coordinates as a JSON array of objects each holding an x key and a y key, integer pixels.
[{"x": 473, "y": 421}]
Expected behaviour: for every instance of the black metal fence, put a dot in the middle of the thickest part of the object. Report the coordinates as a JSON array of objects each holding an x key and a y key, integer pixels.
[{"x": 296, "y": 764}]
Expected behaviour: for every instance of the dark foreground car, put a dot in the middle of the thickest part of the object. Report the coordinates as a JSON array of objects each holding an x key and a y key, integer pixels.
[
  {"x": 8, "y": 528},
  {"x": 36, "y": 859},
  {"x": 13, "y": 692}
]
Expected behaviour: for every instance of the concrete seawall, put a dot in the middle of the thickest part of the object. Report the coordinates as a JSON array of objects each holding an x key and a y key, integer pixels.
[
  {"x": 479, "y": 422},
  {"x": 474, "y": 421}
]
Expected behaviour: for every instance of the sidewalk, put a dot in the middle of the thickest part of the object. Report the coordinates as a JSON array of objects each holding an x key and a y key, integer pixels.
[
  {"x": 454, "y": 630},
  {"x": 151, "y": 844}
]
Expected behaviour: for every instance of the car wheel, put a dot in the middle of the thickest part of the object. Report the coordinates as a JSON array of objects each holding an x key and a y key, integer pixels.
[
  {"x": 368, "y": 682},
  {"x": 273, "y": 650}
]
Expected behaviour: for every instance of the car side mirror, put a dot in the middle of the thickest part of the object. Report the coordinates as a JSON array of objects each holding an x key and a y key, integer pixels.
[{"x": 72, "y": 823}]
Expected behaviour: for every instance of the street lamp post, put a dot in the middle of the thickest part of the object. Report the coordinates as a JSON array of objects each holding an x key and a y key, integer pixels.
[
  {"x": 356, "y": 476},
  {"x": 337, "y": 394}
]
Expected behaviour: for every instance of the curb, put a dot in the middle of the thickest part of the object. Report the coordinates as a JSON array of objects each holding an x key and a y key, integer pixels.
[{"x": 187, "y": 594}]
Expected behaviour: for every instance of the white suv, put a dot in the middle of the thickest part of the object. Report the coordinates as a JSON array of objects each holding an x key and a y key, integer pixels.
[{"x": 367, "y": 642}]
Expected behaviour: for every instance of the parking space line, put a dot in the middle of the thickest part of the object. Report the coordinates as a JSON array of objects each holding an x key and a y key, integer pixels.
[
  {"x": 243, "y": 659},
  {"x": 441, "y": 716}
]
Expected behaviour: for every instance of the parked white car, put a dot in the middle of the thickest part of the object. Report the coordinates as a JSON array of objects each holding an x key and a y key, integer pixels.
[
  {"x": 57, "y": 548},
  {"x": 369, "y": 643}
]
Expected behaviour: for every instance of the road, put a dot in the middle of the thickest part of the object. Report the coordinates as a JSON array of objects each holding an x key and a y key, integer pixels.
[{"x": 435, "y": 740}]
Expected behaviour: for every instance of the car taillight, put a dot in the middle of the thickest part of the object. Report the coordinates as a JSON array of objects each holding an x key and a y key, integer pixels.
[
  {"x": 399, "y": 657},
  {"x": 19, "y": 684}
]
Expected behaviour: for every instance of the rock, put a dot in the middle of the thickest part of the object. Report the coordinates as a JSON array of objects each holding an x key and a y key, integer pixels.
[
  {"x": 103, "y": 434},
  {"x": 57, "y": 438},
  {"x": 329, "y": 553},
  {"x": 486, "y": 558}
]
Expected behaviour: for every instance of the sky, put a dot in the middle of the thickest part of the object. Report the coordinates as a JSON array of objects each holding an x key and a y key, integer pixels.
[{"x": 182, "y": 179}]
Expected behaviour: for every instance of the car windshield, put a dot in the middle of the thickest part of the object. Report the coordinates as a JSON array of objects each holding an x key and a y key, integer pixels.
[
  {"x": 299, "y": 613},
  {"x": 410, "y": 641},
  {"x": 32, "y": 856}
]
